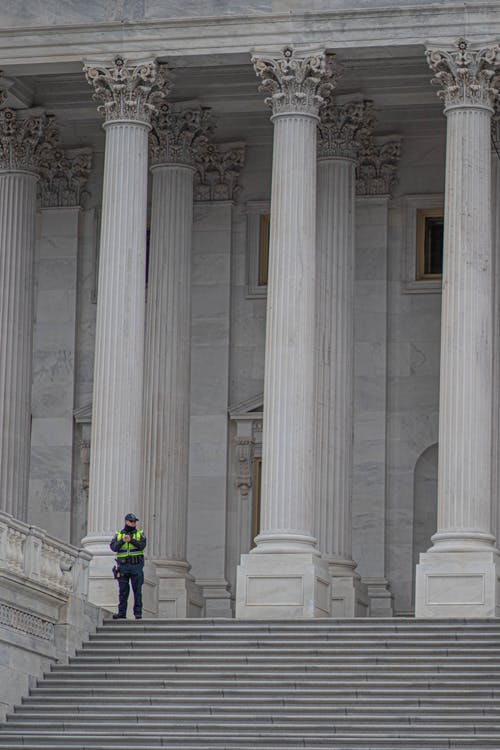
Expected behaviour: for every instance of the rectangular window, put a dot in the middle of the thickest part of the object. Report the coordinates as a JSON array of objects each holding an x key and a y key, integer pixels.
[
  {"x": 263, "y": 248},
  {"x": 430, "y": 227}
]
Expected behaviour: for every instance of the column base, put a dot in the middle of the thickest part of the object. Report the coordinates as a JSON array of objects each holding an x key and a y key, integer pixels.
[
  {"x": 178, "y": 595},
  {"x": 216, "y": 596},
  {"x": 458, "y": 584},
  {"x": 380, "y": 598},
  {"x": 349, "y": 593},
  {"x": 281, "y": 586}
]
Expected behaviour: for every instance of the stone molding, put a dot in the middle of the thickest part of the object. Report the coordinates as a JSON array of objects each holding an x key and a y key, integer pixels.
[
  {"x": 378, "y": 160},
  {"x": 296, "y": 84},
  {"x": 27, "y": 137},
  {"x": 217, "y": 173},
  {"x": 178, "y": 135},
  {"x": 64, "y": 175},
  {"x": 467, "y": 76},
  {"x": 128, "y": 90},
  {"x": 27, "y": 623},
  {"x": 342, "y": 127}
]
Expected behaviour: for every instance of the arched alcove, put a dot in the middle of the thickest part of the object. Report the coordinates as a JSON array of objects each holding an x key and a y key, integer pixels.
[{"x": 424, "y": 501}]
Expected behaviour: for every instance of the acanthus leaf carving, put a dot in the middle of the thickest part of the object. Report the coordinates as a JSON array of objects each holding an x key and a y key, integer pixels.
[
  {"x": 25, "y": 138},
  {"x": 218, "y": 168},
  {"x": 128, "y": 90},
  {"x": 467, "y": 76},
  {"x": 64, "y": 175},
  {"x": 376, "y": 170},
  {"x": 343, "y": 128},
  {"x": 178, "y": 135},
  {"x": 296, "y": 84}
]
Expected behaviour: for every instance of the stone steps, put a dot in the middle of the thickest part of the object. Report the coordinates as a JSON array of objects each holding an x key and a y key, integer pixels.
[{"x": 239, "y": 685}]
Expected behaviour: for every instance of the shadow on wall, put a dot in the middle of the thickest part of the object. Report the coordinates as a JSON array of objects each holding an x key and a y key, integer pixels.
[{"x": 424, "y": 503}]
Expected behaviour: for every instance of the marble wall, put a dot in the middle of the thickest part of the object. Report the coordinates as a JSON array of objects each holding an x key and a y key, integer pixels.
[
  {"x": 370, "y": 399},
  {"x": 54, "y": 345},
  {"x": 211, "y": 290},
  {"x": 414, "y": 321}
]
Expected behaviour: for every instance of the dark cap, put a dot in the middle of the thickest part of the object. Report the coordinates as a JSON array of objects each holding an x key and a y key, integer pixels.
[{"x": 131, "y": 517}]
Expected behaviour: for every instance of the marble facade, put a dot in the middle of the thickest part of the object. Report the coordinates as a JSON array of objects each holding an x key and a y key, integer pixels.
[{"x": 112, "y": 426}]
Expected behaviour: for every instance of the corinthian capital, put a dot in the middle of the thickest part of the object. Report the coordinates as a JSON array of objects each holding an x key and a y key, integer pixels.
[
  {"x": 25, "y": 138},
  {"x": 217, "y": 173},
  {"x": 128, "y": 91},
  {"x": 343, "y": 127},
  {"x": 178, "y": 135},
  {"x": 466, "y": 76},
  {"x": 376, "y": 171},
  {"x": 64, "y": 175},
  {"x": 296, "y": 84}
]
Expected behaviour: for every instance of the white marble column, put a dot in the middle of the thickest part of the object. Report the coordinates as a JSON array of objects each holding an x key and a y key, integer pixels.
[
  {"x": 21, "y": 140},
  {"x": 128, "y": 92},
  {"x": 284, "y": 575},
  {"x": 175, "y": 137},
  {"x": 495, "y": 211},
  {"x": 458, "y": 575},
  {"x": 337, "y": 149}
]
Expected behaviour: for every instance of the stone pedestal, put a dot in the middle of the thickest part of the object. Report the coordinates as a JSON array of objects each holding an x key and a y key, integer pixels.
[
  {"x": 458, "y": 575},
  {"x": 283, "y": 567},
  {"x": 458, "y": 584},
  {"x": 281, "y": 586},
  {"x": 116, "y": 460}
]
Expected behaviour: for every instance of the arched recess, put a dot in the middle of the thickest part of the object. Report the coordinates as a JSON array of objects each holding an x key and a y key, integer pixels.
[{"x": 424, "y": 502}]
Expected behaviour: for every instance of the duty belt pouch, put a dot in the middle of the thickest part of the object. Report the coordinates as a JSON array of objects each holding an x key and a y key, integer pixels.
[{"x": 116, "y": 572}]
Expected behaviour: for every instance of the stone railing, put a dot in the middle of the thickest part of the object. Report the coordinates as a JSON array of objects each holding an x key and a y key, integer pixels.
[
  {"x": 28, "y": 552},
  {"x": 44, "y": 612}
]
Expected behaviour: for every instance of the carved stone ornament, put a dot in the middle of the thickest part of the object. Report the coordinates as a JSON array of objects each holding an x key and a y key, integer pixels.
[
  {"x": 296, "y": 84},
  {"x": 24, "y": 139},
  {"x": 64, "y": 175},
  {"x": 178, "y": 135},
  {"x": 466, "y": 76},
  {"x": 377, "y": 167},
  {"x": 342, "y": 128},
  {"x": 218, "y": 168},
  {"x": 244, "y": 453},
  {"x": 129, "y": 91}
]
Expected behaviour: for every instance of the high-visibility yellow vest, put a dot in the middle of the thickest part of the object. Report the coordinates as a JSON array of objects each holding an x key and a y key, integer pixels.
[{"x": 128, "y": 549}]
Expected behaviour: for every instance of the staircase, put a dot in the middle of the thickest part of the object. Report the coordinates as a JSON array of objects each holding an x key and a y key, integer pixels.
[{"x": 366, "y": 684}]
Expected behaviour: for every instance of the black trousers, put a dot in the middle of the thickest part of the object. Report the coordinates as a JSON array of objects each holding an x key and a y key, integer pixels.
[{"x": 130, "y": 574}]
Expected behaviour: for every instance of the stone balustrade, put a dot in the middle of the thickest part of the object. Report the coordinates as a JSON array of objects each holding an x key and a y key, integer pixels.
[
  {"x": 29, "y": 553},
  {"x": 44, "y": 611}
]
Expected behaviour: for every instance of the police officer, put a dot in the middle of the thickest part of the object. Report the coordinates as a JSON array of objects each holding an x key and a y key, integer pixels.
[{"x": 129, "y": 544}]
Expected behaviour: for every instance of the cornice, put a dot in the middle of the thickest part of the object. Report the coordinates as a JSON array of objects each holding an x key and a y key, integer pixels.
[
  {"x": 340, "y": 29},
  {"x": 459, "y": 10}
]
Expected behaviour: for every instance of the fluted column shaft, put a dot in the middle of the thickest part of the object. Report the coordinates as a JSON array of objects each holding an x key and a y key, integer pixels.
[
  {"x": 464, "y": 479},
  {"x": 287, "y": 482},
  {"x": 167, "y": 387},
  {"x": 17, "y": 240},
  {"x": 116, "y": 457},
  {"x": 334, "y": 357}
]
